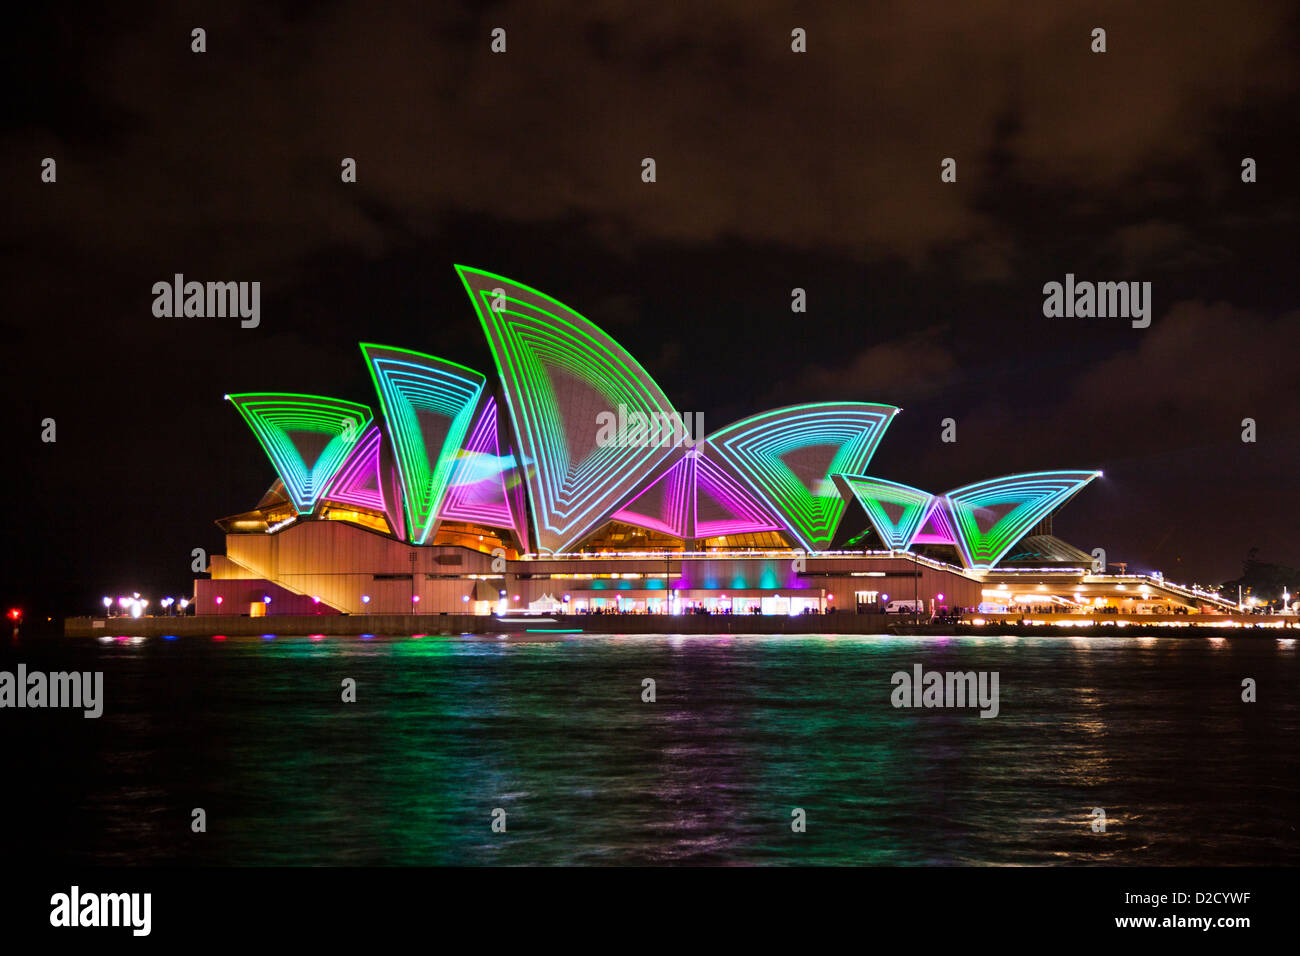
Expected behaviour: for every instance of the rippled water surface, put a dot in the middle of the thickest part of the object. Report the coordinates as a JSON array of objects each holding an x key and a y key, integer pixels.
[{"x": 743, "y": 730}]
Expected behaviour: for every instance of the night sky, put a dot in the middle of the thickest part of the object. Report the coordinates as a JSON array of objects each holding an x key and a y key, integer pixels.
[{"x": 775, "y": 170}]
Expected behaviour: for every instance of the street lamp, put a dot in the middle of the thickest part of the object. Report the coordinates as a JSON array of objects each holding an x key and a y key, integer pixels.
[{"x": 916, "y": 589}]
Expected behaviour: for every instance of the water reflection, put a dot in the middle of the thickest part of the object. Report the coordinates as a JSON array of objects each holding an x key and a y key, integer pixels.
[{"x": 743, "y": 732}]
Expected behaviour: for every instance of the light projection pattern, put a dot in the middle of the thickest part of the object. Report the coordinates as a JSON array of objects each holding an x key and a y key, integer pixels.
[
  {"x": 666, "y": 504},
  {"x": 746, "y": 513},
  {"x": 294, "y": 429},
  {"x": 788, "y": 457},
  {"x": 895, "y": 510},
  {"x": 560, "y": 374},
  {"x": 358, "y": 481},
  {"x": 428, "y": 405},
  {"x": 696, "y": 498},
  {"x": 937, "y": 527},
  {"x": 477, "y": 491},
  {"x": 991, "y": 516},
  {"x": 517, "y": 495}
]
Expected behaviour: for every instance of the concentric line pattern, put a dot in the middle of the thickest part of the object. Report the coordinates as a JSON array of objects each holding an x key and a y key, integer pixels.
[
  {"x": 715, "y": 488},
  {"x": 666, "y": 504},
  {"x": 390, "y": 481},
  {"x": 895, "y": 510},
  {"x": 787, "y": 456},
  {"x": 937, "y": 527},
  {"x": 428, "y": 405},
  {"x": 295, "y": 429},
  {"x": 476, "y": 490},
  {"x": 991, "y": 516},
  {"x": 560, "y": 373},
  {"x": 358, "y": 481},
  {"x": 516, "y": 490}
]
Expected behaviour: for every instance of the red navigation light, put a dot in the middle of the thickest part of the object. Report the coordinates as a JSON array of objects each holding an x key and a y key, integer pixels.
[{"x": 15, "y": 613}]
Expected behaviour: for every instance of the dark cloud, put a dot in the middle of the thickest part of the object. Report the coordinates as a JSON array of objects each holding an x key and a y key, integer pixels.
[
  {"x": 919, "y": 365},
  {"x": 836, "y": 149}
]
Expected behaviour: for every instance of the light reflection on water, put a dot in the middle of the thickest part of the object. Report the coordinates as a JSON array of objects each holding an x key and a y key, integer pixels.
[{"x": 552, "y": 729}]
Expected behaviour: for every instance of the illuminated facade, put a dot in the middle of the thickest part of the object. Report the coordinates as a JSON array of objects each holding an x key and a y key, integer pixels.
[{"x": 572, "y": 479}]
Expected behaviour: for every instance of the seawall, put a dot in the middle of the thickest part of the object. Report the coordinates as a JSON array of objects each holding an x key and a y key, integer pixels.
[{"x": 837, "y": 623}]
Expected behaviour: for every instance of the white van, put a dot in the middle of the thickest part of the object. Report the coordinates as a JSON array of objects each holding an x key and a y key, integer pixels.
[{"x": 905, "y": 607}]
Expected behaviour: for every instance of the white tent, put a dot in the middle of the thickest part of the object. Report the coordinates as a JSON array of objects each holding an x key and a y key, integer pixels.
[{"x": 547, "y": 604}]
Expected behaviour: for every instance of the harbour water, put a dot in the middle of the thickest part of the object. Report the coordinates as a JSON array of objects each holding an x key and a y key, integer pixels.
[{"x": 745, "y": 731}]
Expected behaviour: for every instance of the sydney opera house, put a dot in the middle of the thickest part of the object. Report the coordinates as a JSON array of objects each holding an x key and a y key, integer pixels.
[{"x": 570, "y": 483}]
